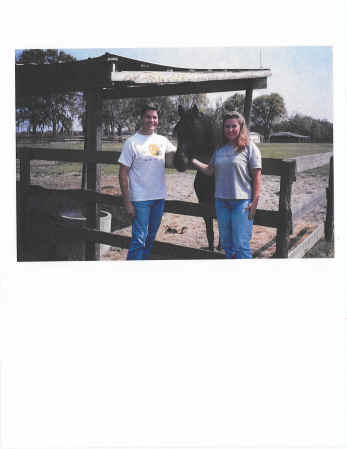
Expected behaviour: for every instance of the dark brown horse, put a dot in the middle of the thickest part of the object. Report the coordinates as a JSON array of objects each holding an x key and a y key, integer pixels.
[{"x": 198, "y": 136}]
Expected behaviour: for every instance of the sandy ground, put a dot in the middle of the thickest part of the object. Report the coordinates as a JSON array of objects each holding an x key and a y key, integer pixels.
[{"x": 190, "y": 231}]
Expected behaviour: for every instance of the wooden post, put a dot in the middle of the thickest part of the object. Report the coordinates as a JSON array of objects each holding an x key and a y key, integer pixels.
[
  {"x": 92, "y": 145},
  {"x": 248, "y": 104},
  {"x": 21, "y": 205},
  {"x": 286, "y": 227},
  {"x": 329, "y": 221}
]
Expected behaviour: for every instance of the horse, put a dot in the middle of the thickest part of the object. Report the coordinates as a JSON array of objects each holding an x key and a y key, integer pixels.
[{"x": 198, "y": 136}]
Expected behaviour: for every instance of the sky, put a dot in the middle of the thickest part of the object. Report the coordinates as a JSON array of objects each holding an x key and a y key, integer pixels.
[{"x": 302, "y": 75}]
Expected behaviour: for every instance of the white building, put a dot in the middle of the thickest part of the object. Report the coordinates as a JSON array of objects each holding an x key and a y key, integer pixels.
[{"x": 255, "y": 137}]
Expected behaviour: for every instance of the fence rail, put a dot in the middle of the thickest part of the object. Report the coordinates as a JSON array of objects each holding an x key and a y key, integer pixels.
[{"x": 281, "y": 219}]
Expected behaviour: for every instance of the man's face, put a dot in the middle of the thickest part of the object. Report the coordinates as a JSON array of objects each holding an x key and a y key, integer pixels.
[{"x": 149, "y": 121}]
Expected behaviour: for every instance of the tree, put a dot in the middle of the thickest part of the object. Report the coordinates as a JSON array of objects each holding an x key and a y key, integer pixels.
[
  {"x": 318, "y": 130},
  {"x": 266, "y": 111},
  {"x": 50, "y": 111},
  {"x": 234, "y": 103}
]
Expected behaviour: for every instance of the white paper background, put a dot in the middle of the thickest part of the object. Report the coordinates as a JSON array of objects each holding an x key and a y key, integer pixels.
[{"x": 199, "y": 354}]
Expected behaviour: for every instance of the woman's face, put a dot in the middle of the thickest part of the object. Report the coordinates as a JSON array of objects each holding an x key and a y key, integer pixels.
[{"x": 231, "y": 129}]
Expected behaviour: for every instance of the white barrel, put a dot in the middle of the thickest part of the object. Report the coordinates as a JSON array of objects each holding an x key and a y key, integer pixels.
[{"x": 105, "y": 218}]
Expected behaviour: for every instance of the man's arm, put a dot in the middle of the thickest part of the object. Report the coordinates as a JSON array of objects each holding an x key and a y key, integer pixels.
[
  {"x": 169, "y": 159},
  {"x": 124, "y": 186}
]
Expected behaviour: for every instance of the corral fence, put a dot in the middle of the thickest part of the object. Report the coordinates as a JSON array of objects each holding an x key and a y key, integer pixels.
[{"x": 67, "y": 231}]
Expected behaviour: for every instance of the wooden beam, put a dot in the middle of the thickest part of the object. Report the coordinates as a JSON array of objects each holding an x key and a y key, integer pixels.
[
  {"x": 285, "y": 227},
  {"x": 92, "y": 148},
  {"x": 184, "y": 88},
  {"x": 24, "y": 183},
  {"x": 267, "y": 218},
  {"x": 248, "y": 105},
  {"x": 49, "y": 154},
  {"x": 271, "y": 166},
  {"x": 262, "y": 217},
  {"x": 329, "y": 219}
]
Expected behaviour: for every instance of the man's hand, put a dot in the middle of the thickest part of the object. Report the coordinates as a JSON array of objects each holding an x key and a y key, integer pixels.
[{"x": 130, "y": 209}]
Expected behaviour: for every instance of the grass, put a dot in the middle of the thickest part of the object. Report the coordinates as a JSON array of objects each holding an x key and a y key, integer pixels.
[
  {"x": 289, "y": 150},
  {"x": 45, "y": 168}
]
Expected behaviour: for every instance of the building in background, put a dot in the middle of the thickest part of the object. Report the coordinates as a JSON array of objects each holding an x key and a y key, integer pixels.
[
  {"x": 289, "y": 137},
  {"x": 256, "y": 137}
]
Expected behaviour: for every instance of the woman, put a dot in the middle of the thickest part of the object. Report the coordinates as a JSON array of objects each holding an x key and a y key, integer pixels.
[{"x": 237, "y": 169}]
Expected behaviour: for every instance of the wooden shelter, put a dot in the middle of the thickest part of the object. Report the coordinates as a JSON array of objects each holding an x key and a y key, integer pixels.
[
  {"x": 110, "y": 77},
  {"x": 120, "y": 77},
  {"x": 288, "y": 137}
]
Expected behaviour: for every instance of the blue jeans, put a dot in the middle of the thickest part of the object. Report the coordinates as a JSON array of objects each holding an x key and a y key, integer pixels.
[
  {"x": 144, "y": 228},
  {"x": 235, "y": 229}
]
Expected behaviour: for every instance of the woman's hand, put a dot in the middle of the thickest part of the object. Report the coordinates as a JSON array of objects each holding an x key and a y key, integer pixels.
[
  {"x": 256, "y": 175},
  {"x": 203, "y": 168},
  {"x": 252, "y": 208}
]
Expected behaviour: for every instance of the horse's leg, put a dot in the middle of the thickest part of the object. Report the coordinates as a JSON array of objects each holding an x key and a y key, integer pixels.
[
  {"x": 209, "y": 232},
  {"x": 204, "y": 189}
]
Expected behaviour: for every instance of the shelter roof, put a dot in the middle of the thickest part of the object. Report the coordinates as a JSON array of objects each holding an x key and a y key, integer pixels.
[{"x": 121, "y": 77}]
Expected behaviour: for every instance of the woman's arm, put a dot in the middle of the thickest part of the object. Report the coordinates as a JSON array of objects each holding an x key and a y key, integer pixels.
[
  {"x": 256, "y": 175},
  {"x": 206, "y": 169},
  {"x": 124, "y": 186}
]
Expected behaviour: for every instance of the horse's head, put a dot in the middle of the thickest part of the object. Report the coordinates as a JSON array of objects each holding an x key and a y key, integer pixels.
[{"x": 193, "y": 132}]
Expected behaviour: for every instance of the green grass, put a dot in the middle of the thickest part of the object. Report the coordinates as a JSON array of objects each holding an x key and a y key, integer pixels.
[{"x": 288, "y": 150}]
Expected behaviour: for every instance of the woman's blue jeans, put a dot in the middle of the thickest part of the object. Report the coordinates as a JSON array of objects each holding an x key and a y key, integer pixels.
[
  {"x": 144, "y": 228},
  {"x": 235, "y": 229}
]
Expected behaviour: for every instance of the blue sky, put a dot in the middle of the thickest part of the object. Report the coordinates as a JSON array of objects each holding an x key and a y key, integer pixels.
[{"x": 301, "y": 74}]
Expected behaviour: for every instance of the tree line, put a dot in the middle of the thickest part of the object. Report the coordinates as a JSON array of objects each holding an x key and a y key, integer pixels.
[{"x": 58, "y": 113}]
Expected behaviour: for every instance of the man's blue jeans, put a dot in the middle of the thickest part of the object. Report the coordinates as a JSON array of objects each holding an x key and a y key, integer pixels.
[
  {"x": 144, "y": 228},
  {"x": 235, "y": 229}
]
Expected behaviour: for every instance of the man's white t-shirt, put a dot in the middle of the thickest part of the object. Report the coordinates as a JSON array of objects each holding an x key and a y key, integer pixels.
[{"x": 145, "y": 157}]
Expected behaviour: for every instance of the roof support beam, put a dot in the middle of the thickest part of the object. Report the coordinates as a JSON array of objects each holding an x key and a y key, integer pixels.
[
  {"x": 162, "y": 90},
  {"x": 92, "y": 145},
  {"x": 248, "y": 104}
]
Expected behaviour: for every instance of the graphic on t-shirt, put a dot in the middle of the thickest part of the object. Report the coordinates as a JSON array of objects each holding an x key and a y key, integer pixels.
[{"x": 154, "y": 150}]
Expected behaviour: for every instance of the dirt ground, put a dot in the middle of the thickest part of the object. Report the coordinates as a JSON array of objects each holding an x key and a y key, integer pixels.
[{"x": 190, "y": 231}]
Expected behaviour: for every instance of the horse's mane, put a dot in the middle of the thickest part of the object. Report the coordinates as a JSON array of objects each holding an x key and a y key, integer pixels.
[{"x": 214, "y": 131}]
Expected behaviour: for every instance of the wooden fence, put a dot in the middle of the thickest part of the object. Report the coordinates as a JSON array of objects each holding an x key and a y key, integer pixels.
[{"x": 282, "y": 219}]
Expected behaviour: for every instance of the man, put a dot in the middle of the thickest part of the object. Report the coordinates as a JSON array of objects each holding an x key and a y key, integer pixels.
[{"x": 142, "y": 182}]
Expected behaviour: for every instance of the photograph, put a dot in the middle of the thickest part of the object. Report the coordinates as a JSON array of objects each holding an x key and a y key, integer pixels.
[{"x": 174, "y": 153}]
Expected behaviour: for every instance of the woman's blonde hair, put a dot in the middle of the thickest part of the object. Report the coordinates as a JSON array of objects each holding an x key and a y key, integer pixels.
[{"x": 243, "y": 138}]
